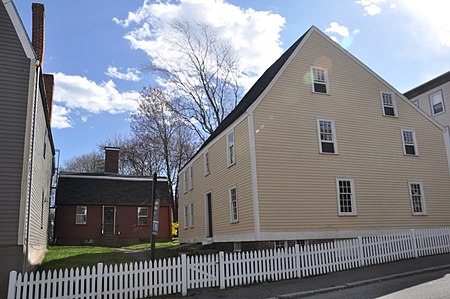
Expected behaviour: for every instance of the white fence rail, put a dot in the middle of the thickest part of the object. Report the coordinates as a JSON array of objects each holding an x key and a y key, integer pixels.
[{"x": 177, "y": 275}]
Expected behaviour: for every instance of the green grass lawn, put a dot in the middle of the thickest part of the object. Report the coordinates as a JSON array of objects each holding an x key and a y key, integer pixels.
[{"x": 61, "y": 257}]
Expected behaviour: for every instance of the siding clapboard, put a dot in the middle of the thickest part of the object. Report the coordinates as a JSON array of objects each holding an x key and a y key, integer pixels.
[{"x": 14, "y": 80}]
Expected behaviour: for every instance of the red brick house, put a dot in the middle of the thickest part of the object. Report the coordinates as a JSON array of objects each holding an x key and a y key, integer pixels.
[{"x": 109, "y": 209}]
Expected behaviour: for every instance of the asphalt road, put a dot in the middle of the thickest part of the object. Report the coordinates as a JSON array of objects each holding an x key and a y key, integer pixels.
[{"x": 434, "y": 285}]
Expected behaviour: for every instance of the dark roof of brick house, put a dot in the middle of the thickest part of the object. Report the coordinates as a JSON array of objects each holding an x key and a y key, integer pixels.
[
  {"x": 252, "y": 95},
  {"x": 111, "y": 189},
  {"x": 433, "y": 83}
]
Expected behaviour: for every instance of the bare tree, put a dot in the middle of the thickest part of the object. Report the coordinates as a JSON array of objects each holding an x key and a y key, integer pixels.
[
  {"x": 204, "y": 75},
  {"x": 91, "y": 162},
  {"x": 137, "y": 157},
  {"x": 169, "y": 135}
]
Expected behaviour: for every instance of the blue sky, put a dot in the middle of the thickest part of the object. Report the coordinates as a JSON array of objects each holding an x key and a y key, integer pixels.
[{"x": 99, "y": 50}]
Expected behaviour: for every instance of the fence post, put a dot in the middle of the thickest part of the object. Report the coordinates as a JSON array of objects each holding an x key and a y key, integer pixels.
[
  {"x": 298, "y": 264},
  {"x": 414, "y": 242},
  {"x": 361, "y": 252},
  {"x": 12, "y": 284},
  {"x": 222, "y": 270},
  {"x": 99, "y": 280},
  {"x": 184, "y": 281}
]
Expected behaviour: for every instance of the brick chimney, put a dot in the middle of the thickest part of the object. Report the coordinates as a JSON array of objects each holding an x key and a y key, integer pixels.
[
  {"x": 49, "y": 83},
  {"x": 38, "y": 30},
  {"x": 112, "y": 159}
]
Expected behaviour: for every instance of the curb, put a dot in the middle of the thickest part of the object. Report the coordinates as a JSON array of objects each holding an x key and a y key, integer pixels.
[{"x": 360, "y": 283}]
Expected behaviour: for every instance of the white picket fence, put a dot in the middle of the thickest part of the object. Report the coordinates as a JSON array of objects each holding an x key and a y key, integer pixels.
[{"x": 177, "y": 275}]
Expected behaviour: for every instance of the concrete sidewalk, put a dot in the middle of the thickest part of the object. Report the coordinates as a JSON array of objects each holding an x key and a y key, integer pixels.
[{"x": 297, "y": 288}]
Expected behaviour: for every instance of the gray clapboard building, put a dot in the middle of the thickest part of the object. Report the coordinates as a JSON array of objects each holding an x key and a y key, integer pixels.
[{"x": 26, "y": 145}]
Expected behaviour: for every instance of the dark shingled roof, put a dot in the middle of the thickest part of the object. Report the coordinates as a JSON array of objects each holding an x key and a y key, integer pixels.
[
  {"x": 428, "y": 85},
  {"x": 252, "y": 95},
  {"x": 95, "y": 188}
]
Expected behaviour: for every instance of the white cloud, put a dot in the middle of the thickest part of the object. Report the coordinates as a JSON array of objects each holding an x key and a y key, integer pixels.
[
  {"x": 131, "y": 74},
  {"x": 334, "y": 27},
  {"x": 255, "y": 35},
  {"x": 80, "y": 92},
  {"x": 346, "y": 39},
  {"x": 371, "y": 7},
  {"x": 60, "y": 119}
]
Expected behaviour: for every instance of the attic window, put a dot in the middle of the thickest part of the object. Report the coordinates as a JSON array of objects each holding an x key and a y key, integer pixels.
[
  {"x": 319, "y": 80},
  {"x": 388, "y": 102}
]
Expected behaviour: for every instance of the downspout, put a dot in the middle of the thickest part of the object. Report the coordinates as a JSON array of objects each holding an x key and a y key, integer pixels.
[{"x": 30, "y": 173}]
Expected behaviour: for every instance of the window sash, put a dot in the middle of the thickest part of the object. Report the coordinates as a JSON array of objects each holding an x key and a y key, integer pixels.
[
  {"x": 417, "y": 198},
  {"x": 191, "y": 178},
  {"x": 233, "y": 205},
  {"x": 230, "y": 149},
  {"x": 81, "y": 215},
  {"x": 319, "y": 80},
  {"x": 206, "y": 161},
  {"x": 346, "y": 196},
  {"x": 409, "y": 142},
  {"x": 185, "y": 216},
  {"x": 388, "y": 102},
  {"x": 191, "y": 214},
  {"x": 437, "y": 102},
  {"x": 327, "y": 137},
  {"x": 142, "y": 215},
  {"x": 185, "y": 182}
]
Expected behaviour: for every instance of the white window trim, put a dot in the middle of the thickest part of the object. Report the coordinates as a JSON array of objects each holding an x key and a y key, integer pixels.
[
  {"x": 185, "y": 216},
  {"x": 206, "y": 163},
  {"x": 206, "y": 212},
  {"x": 229, "y": 162},
  {"x": 76, "y": 214},
  {"x": 327, "y": 81},
  {"x": 191, "y": 214},
  {"x": 141, "y": 216},
  {"x": 416, "y": 149},
  {"x": 233, "y": 219},
  {"x": 333, "y": 128},
  {"x": 191, "y": 177},
  {"x": 185, "y": 183},
  {"x": 422, "y": 201},
  {"x": 394, "y": 103},
  {"x": 353, "y": 200},
  {"x": 431, "y": 102}
]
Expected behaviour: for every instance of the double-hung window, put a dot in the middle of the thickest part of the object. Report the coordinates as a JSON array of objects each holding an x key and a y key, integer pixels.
[
  {"x": 191, "y": 177},
  {"x": 327, "y": 136},
  {"x": 81, "y": 215},
  {"x": 185, "y": 214},
  {"x": 185, "y": 181},
  {"x": 142, "y": 215},
  {"x": 233, "y": 205},
  {"x": 409, "y": 142},
  {"x": 437, "y": 103},
  {"x": 206, "y": 163},
  {"x": 389, "y": 106},
  {"x": 231, "y": 151},
  {"x": 191, "y": 214},
  {"x": 417, "y": 198},
  {"x": 346, "y": 196},
  {"x": 319, "y": 80}
]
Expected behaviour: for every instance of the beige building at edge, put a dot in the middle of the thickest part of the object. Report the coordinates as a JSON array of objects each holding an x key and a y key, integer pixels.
[{"x": 319, "y": 148}]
